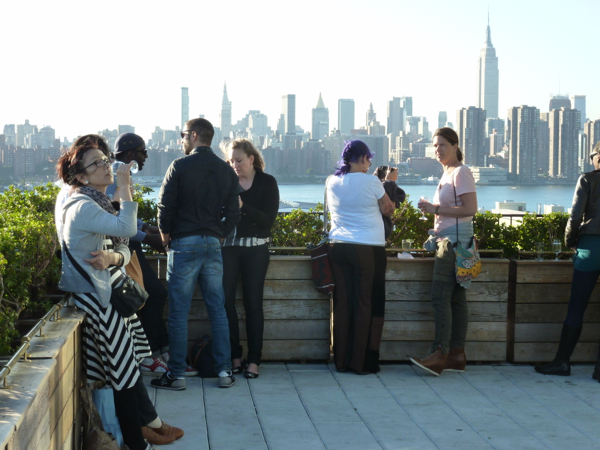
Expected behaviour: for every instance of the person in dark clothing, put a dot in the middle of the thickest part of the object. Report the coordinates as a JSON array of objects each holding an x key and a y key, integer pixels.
[
  {"x": 197, "y": 207},
  {"x": 246, "y": 251},
  {"x": 388, "y": 177},
  {"x": 582, "y": 234}
]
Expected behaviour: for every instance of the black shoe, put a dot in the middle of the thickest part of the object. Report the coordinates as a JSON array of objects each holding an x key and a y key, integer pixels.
[
  {"x": 171, "y": 384},
  {"x": 596, "y": 374},
  {"x": 226, "y": 379},
  {"x": 249, "y": 375},
  {"x": 555, "y": 368},
  {"x": 239, "y": 369}
]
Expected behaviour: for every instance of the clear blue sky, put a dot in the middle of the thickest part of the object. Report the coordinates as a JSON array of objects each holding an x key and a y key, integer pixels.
[{"x": 82, "y": 66}]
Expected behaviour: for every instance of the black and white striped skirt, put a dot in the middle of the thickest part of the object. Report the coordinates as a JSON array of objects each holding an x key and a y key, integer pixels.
[{"x": 113, "y": 345}]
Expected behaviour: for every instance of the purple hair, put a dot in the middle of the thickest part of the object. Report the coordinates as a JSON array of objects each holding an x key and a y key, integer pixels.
[{"x": 353, "y": 151}]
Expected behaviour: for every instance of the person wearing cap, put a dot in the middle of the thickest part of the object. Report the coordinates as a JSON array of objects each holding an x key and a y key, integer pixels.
[
  {"x": 582, "y": 234},
  {"x": 131, "y": 147}
]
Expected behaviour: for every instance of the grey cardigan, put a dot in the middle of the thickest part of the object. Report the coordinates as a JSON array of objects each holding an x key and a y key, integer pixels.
[{"x": 85, "y": 224}]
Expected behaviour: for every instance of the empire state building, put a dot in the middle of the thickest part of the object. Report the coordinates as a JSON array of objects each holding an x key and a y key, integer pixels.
[{"x": 487, "y": 88}]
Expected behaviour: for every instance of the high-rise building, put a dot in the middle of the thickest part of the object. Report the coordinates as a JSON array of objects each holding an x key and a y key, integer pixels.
[
  {"x": 10, "y": 135},
  {"x": 544, "y": 144},
  {"x": 225, "y": 114},
  {"x": 564, "y": 143},
  {"x": 320, "y": 121},
  {"x": 185, "y": 106},
  {"x": 442, "y": 119},
  {"x": 345, "y": 115},
  {"x": 406, "y": 103},
  {"x": 470, "y": 123},
  {"x": 578, "y": 103},
  {"x": 559, "y": 101},
  {"x": 494, "y": 124},
  {"x": 395, "y": 116},
  {"x": 125, "y": 129},
  {"x": 591, "y": 133},
  {"x": 523, "y": 122},
  {"x": 488, "y": 77},
  {"x": 289, "y": 112},
  {"x": 23, "y": 131},
  {"x": 370, "y": 115}
]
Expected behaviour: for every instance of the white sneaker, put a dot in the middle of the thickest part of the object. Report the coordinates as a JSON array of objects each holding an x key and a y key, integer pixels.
[{"x": 153, "y": 367}]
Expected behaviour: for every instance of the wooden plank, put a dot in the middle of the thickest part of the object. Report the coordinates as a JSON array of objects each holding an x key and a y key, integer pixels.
[
  {"x": 273, "y": 310},
  {"x": 421, "y": 291},
  {"x": 550, "y": 332},
  {"x": 552, "y": 313},
  {"x": 274, "y": 329},
  {"x": 585, "y": 352},
  {"x": 548, "y": 293},
  {"x": 475, "y": 351},
  {"x": 292, "y": 350},
  {"x": 64, "y": 428},
  {"x": 425, "y": 331},
  {"x": 60, "y": 398},
  {"x": 543, "y": 271},
  {"x": 478, "y": 311}
]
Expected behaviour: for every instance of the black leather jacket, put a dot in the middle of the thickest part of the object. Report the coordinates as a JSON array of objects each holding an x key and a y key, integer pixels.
[{"x": 585, "y": 212}]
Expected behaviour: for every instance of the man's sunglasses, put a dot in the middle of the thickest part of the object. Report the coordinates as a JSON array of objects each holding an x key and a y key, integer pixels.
[
  {"x": 593, "y": 155},
  {"x": 185, "y": 133}
]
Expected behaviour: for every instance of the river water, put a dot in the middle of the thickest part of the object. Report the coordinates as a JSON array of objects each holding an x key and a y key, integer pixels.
[{"x": 487, "y": 196}]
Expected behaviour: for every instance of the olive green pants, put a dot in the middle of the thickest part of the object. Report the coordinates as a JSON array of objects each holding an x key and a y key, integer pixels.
[{"x": 449, "y": 301}]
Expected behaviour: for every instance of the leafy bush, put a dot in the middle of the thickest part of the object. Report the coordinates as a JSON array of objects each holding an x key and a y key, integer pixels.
[{"x": 28, "y": 266}]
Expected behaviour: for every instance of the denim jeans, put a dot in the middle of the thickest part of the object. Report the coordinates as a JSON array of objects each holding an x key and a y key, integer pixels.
[{"x": 191, "y": 259}]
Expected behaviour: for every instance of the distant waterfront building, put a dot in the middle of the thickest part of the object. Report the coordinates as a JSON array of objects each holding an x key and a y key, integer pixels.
[
  {"x": 512, "y": 205},
  {"x": 553, "y": 209},
  {"x": 370, "y": 116},
  {"x": 407, "y": 105},
  {"x": 470, "y": 128},
  {"x": 320, "y": 120},
  {"x": 496, "y": 142},
  {"x": 185, "y": 106},
  {"x": 488, "y": 77},
  {"x": 489, "y": 175},
  {"x": 125, "y": 129},
  {"x": 544, "y": 144},
  {"x": 442, "y": 119},
  {"x": 494, "y": 124},
  {"x": 559, "y": 101},
  {"x": 564, "y": 143},
  {"x": 289, "y": 113},
  {"x": 345, "y": 115},
  {"x": 225, "y": 114},
  {"x": 23, "y": 131},
  {"x": 578, "y": 103},
  {"x": 258, "y": 124},
  {"x": 523, "y": 122},
  {"x": 395, "y": 116},
  {"x": 591, "y": 133},
  {"x": 10, "y": 136}
]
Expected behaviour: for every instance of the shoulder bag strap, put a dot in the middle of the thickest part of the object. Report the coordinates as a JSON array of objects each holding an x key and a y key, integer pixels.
[
  {"x": 455, "y": 204},
  {"x": 325, "y": 215}
]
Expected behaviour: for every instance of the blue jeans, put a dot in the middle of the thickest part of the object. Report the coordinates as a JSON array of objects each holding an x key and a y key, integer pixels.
[{"x": 196, "y": 258}]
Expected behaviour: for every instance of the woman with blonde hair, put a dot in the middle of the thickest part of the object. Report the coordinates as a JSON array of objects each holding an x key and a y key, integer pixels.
[{"x": 246, "y": 251}]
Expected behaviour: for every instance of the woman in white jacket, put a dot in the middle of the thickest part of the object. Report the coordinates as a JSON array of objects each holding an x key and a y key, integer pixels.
[{"x": 94, "y": 253}]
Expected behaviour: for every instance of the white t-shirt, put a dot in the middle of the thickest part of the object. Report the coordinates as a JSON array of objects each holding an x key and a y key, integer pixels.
[
  {"x": 463, "y": 180},
  {"x": 355, "y": 214}
]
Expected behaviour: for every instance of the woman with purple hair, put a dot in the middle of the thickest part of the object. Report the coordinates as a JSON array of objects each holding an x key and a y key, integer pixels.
[{"x": 357, "y": 253}]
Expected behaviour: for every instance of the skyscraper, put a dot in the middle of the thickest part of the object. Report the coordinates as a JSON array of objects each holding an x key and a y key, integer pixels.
[
  {"x": 442, "y": 119},
  {"x": 345, "y": 115},
  {"x": 487, "y": 87},
  {"x": 370, "y": 115},
  {"x": 289, "y": 112},
  {"x": 559, "y": 101},
  {"x": 578, "y": 103},
  {"x": 395, "y": 116},
  {"x": 320, "y": 120},
  {"x": 225, "y": 114},
  {"x": 564, "y": 143},
  {"x": 591, "y": 132},
  {"x": 470, "y": 124},
  {"x": 523, "y": 145},
  {"x": 185, "y": 106}
]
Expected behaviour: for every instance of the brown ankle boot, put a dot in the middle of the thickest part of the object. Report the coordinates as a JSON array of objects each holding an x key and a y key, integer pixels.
[
  {"x": 456, "y": 360},
  {"x": 434, "y": 363}
]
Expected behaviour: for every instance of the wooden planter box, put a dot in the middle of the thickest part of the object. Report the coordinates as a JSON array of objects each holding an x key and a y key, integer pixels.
[
  {"x": 409, "y": 316},
  {"x": 539, "y": 294},
  {"x": 297, "y": 318}
]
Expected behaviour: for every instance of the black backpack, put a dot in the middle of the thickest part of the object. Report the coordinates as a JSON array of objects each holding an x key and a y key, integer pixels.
[{"x": 201, "y": 357}]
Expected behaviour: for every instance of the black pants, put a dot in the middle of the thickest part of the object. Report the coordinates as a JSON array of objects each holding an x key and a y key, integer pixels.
[
  {"x": 582, "y": 285},
  {"x": 151, "y": 315},
  {"x": 251, "y": 263},
  {"x": 134, "y": 410}
]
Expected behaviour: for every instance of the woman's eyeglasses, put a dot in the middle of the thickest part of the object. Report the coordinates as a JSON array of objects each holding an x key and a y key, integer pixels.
[{"x": 102, "y": 162}]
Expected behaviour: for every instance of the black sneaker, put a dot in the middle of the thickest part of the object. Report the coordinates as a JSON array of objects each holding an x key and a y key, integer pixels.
[
  {"x": 166, "y": 382},
  {"x": 226, "y": 379}
]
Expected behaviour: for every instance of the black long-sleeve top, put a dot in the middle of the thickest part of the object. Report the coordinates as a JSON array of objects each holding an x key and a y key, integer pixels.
[
  {"x": 198, "y": 190},
  {"x": 259, "y": 208}
]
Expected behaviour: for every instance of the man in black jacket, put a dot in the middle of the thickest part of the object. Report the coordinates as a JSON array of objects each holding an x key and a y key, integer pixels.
[{"x": 197, "y": 207}]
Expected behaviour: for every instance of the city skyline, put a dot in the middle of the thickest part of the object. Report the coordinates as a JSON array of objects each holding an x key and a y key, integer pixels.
[{"x": 369, "y": 53}]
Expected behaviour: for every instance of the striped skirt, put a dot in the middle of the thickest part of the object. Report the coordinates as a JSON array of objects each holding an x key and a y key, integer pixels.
[{"x": 113, "y": 346}]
